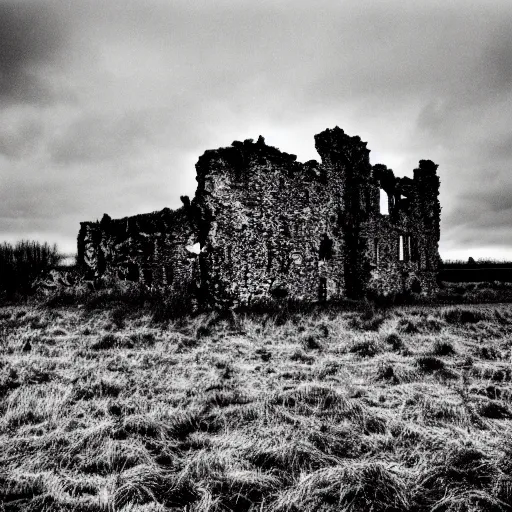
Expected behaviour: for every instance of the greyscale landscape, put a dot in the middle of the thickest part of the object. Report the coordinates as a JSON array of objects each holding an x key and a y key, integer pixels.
[
  {"x": 227, "y": 357},
  {"x": 108, "y": 402},
  {"x": 255, "y": 257}
]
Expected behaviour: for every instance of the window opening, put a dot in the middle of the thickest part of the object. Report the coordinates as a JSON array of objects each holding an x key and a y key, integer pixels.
[
  {"x": 132, "y": 273},
  {"x": 376, "y": 250},
  {"x": 148, "y": 276},
  {"x": 325, "y": 252},
  {"x": 384, "y": 202},
  {"x": 401, "y": 248},
  {"x": 194, "y": 248},
  {"x": 414, "y": 249},
  {"x": 169, "y": 275}
]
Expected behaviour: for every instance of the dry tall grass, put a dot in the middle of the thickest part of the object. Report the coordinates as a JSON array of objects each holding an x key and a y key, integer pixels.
[{"x": 403, "y": 409}]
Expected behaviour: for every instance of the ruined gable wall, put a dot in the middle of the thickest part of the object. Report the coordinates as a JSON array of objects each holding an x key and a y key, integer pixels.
[
  {"x": 413, "y": 222},
  {"x": 150, "y": 248},
  {"x": 276, "y": 227},
  {"x": 254, "y": 244}
]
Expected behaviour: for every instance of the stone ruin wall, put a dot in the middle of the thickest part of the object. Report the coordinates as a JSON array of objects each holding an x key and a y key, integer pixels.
[
  {"x": 402, "y": 246},
  {"x": 149, "y": 248},
  {"x": 270, "y": 227}
]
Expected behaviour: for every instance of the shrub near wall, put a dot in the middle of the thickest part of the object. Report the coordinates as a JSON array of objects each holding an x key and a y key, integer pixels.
[{"x": 21, "y": 263}]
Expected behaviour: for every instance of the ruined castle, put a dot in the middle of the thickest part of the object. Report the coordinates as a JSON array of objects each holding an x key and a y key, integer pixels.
[{"x": 263, "y": 226}]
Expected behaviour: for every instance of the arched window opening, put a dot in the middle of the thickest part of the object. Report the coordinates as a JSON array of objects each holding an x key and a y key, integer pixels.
[{"x": 384, "y": 202}]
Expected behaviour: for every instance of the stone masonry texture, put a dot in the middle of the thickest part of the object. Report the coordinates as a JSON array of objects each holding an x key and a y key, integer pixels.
[{"x": 265, "y": 227}]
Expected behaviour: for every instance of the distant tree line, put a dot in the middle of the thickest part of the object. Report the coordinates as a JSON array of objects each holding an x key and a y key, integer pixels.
[
  {"x": 475, "y": 264},
  {"x": 23, "y": 262},
  {"x": 481, "y": 270}
]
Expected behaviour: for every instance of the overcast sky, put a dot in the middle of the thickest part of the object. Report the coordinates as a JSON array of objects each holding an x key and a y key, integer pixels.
[{"x": 105, "y": 106}]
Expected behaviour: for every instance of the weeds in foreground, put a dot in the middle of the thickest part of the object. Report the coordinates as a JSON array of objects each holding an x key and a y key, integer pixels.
[
  {"x": 394, "y": 341},
  {"x": 443, "y": 348},
  {"x": 110, "y": 410},
  {"x": 358, "y": 486},
  {"x": 366, "y": 348},
  {"x": 430, "y": 363},
  {"x": 461, "y": 316}
]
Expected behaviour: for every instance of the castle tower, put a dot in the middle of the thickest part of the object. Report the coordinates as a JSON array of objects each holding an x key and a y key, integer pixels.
[
  {"x": 428, "y": 213},
  {"x": 346, "y": 161}
]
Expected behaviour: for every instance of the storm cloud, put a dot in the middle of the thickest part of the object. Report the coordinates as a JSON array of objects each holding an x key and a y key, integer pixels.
[
  {"x": 30, "y": 38},
  {"x": 106, "y": 106}
]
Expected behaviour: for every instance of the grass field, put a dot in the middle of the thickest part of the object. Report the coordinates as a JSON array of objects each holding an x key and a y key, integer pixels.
[{"x": 400, "y": 409}]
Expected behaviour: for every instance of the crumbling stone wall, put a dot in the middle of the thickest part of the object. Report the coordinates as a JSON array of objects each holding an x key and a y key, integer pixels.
[
  {"x": 149, "y": 248},
  {"x": 271, "y": 227},
  {"x": 281, "y": 228},
  {"x": 402, "y": 246}
]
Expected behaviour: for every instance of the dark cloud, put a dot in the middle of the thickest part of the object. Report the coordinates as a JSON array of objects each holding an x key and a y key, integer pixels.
[
  {"x": 106, "y": 106},
  {"x": 29, "y": 37}
]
